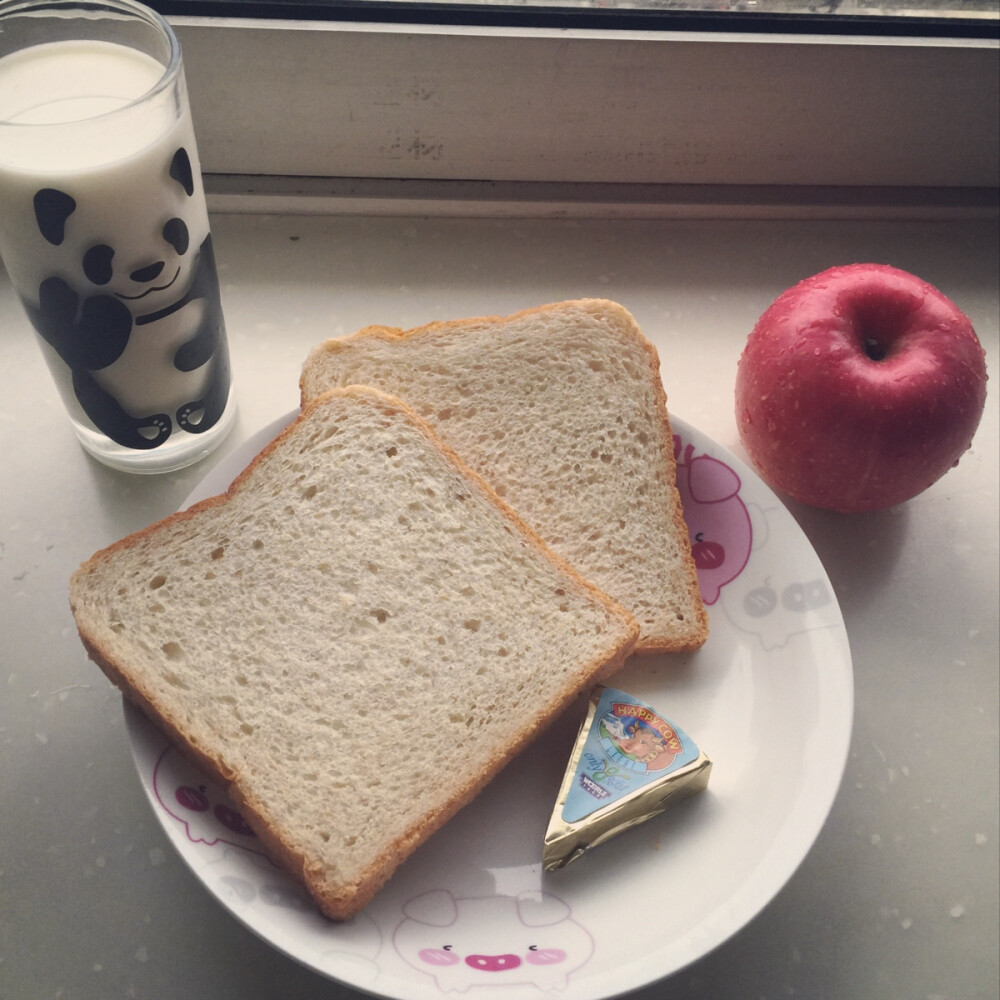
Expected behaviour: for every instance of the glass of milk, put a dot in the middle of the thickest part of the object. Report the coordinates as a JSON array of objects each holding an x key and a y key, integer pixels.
[{"x": 104, "y": 230}]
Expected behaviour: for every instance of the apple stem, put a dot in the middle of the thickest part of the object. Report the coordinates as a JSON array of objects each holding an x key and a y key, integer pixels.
[{"x": 874, "y": 349}]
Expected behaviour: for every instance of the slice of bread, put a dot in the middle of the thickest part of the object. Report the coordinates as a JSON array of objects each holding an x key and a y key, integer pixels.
[
  {"x": 354, "y": 638},
  {"x": 562, "y": 409}
]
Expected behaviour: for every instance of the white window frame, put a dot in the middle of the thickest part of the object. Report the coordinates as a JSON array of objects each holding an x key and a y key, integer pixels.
[{"x": 296, "y": 113}]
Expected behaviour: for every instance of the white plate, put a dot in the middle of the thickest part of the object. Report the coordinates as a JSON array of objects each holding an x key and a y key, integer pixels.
[{"x": 769, "y": 698}]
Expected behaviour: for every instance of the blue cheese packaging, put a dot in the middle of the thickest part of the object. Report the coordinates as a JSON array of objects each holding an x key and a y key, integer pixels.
[{"x": 628, "y": 763}]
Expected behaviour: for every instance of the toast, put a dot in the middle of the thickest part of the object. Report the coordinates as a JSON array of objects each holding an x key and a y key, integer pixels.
[
  {"x": 562, "y": 409},
  {"x": 354, "y": 639}
]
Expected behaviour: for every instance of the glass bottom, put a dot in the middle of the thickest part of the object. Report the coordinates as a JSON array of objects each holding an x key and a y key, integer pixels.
[{"x": 180, "y": 450}]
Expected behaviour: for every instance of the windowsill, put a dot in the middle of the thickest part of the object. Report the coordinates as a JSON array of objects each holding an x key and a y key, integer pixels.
[{"x": 238, "y": 194}]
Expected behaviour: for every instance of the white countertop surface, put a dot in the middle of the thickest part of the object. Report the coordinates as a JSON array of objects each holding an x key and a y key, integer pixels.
[{"x": 898, "y": 899}]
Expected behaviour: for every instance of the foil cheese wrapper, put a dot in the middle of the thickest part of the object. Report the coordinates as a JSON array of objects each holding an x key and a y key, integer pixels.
[{"x": 628, "y": 764}]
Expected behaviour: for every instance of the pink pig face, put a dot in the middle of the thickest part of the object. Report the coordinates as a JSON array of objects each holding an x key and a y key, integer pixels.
[
  {"x": 202, "y": 807},
  {"x": 718, "y": 521},
  {"x": 492, "y": 940}
]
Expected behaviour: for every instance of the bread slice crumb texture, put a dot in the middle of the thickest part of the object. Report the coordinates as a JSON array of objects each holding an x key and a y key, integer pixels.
[
  {"x": 562, "y": 409},
  {"x": 357, "y": 617}
]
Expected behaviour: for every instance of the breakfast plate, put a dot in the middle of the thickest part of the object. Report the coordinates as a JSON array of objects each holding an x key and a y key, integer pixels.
[{"x": 769, "y": 698}]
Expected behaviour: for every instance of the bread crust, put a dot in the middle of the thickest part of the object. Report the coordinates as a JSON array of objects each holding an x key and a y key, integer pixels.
[
  {"x": 696, "y": 632},
  {"x": 340, "y": 902}
]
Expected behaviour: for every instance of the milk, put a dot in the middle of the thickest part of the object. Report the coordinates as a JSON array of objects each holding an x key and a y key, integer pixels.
[
  {"x": 72, "y": 81},
  {"x": 75, "y": 117}
]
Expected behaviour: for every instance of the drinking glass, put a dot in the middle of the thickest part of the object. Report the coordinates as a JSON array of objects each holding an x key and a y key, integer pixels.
[{"x": 104, "y": 230}]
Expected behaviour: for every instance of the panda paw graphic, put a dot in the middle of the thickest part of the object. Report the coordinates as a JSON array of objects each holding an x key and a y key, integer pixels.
[
  {"x": 141, "y": 433},
  {"x": 202, "y": 414},
  {"x": 191, "y": 418},
  {"x": 152, "y": 431}
]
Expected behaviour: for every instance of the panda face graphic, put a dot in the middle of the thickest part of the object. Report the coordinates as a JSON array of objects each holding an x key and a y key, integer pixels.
[
  {"x": 144, "y": 281},
  {"x": 99, "y": 264},
  {"x": 144, "y": 259}
]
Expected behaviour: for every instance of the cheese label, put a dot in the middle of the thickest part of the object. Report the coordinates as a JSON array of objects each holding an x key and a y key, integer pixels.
[{"x": 628, "y": 745}]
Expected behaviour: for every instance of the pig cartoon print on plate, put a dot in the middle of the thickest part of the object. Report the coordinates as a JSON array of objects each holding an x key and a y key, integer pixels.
[
  {"x": 250, "y": 885},
  {"x": 201, "y": 806},
  {"x": 768, "y": 603},
  {"x": 717, "y": 519},
  {"x": 525, "y": 940},
  {"x": 773, "y": 602}
]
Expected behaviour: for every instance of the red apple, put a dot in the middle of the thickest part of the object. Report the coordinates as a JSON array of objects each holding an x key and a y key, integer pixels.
[{"x": 859, "y": 387}]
